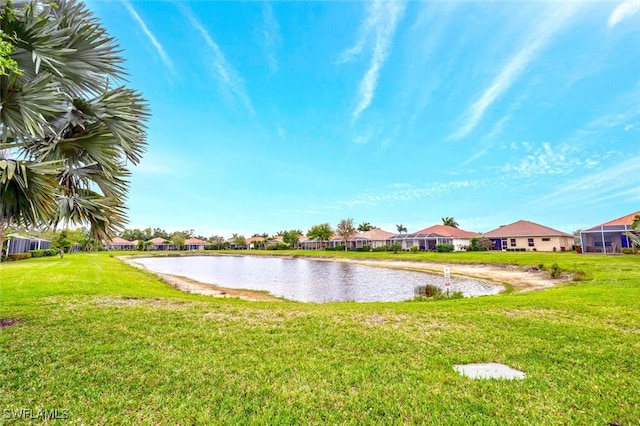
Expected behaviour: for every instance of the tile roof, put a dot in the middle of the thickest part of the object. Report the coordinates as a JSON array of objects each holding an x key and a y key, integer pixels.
[
  {"x": 377, "y": 235},
  {"x": 195, "y": 241},
  {"x": 624, "y": 220},
  {"x": 118, "y": 240},
  {"x": 524, "y": 228},
  {"x": 447, "y": 231},
  {"x": 158, "y": 240}
]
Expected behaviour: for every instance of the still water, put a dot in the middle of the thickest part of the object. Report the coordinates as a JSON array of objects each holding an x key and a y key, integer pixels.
[{"x": 309, "y": 280}]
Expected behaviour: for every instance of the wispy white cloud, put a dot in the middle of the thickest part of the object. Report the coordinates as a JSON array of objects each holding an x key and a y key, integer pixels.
[
  {"x": 405, "y": 192},
  {"x": 549, "y": 160},
  {"x": 271, "y": 35},
  {"x": 377, "y": 30},
  {"x": 163, "y": 55},
  {"x": 618, "y": 181},
  {"x": 226, "y": 75},
  {"x": 548, "y": 27},
  {"x": 623, "y": 11}
]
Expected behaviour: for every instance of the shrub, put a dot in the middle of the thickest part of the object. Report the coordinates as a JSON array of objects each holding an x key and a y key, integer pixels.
[
  {"x": 444, "y": 248},
  {"x": 19, "y": 256},
  {"x": 414, "y": 249},
  {"x": 36, "y": 253},
  {"x": 50, "y": 252},
  {"x": 628, "y": 250},
  {"x": 428, "y": 290},
  {"x": 480, "y": 244},
  {"x": 555, "y": 271},
  {"x": 433, "y": 292},
  {"x": 580, "y": 275},
  {"x": 277, "y": 246},
  {"x": 365, "y": 248}
]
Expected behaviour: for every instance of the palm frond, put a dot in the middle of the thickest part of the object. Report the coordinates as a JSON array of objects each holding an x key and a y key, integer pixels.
[
  {"x": 63, "y": 111},
  {"x": 27, "y": 108},
  {"x": 105, "y": 215},
  {"x": 27, "y": 191}
]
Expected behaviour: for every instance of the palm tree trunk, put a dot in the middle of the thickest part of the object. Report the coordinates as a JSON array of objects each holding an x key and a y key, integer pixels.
[{"x": 4, "y": 225}]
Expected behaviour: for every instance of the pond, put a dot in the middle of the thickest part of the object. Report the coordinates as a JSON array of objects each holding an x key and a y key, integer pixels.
[{"x": 310, "y": 280}]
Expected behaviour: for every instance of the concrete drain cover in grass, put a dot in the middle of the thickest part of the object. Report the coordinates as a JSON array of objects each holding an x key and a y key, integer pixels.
[{"x": 489, "y": 370}]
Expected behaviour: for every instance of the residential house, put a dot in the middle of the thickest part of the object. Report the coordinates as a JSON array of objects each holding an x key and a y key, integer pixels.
[
  {"x": 315, "y": 244},
  {"x": 161, "y": 244},
  {"x": 608, "y": 237},
  {"x": 301, "y": 241},
  {"x": 429, "y": 238},
  {"x": 373, "y": 238},
  {"x": 529, "y": 236},
  {"x": 19, "y": 244},
  {"x": 256, "y": 243},
  {"x": 118, "y": 243},
  {"x": 335, "y": 241},
  {"x": 195, "y": 244}
]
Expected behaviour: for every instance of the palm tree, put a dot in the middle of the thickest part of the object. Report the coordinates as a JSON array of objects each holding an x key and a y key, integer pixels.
[
  {"x": 449, "y": 221},
  {"x": 401, "y": 229},
  {"x": 365, "y": 226},
  {"x": 68, "y": 125},
  {"x": 346, "y": 229}
]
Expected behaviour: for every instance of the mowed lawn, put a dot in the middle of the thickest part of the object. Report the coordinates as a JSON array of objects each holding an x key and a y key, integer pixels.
[{"x": 105, "y": 343}]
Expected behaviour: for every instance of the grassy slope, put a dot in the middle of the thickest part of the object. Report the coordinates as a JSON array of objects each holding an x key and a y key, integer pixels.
[{"x": 112, "y": 344}]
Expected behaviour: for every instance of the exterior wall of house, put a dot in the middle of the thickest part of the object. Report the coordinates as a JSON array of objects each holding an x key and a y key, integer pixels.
[
  {"x": 194, "y": 247},
  {"x": 25, "y": 244},
  {"x": 545, "y": 243},
  {"x": 460, "y": 243},
  {"x": 378, "y": 243}
]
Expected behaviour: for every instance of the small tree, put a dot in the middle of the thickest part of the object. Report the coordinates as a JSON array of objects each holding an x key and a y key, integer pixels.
[
  {"x": 144, "y": 245},
  {"x": 62, "y": 242},
  {"x": 321, "y": 232},
  {"x": 291, "y": 237},
  {"x": 240, "y": 241},
  {"x": 178, "y": 238},
  {"x": 217, "y": 241},
  {"x": 346, "y": 230}
]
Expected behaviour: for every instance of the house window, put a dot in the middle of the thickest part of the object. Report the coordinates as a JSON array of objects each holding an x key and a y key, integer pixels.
[
  {"x": 513, "y": 242},
  {"x": 546, "y": 239},
  {"x": 531, "y": 242}
]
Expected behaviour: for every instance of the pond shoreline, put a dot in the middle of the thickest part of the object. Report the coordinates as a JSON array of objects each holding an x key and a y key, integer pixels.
[{"x": 506, "y": 276}]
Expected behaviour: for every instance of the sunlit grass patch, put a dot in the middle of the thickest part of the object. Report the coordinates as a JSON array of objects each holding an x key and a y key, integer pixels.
[{"x": 116, "y": 345}]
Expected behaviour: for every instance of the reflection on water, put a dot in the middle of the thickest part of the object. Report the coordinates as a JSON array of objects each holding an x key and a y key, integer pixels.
[{"x": 310, "y": 280}]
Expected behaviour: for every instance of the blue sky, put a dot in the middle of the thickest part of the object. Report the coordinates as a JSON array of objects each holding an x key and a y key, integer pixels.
[{"x": 279, "y": 115}]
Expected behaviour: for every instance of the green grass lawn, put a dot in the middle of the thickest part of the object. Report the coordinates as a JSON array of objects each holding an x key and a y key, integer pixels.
[{"x": 105, "y": 343}]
